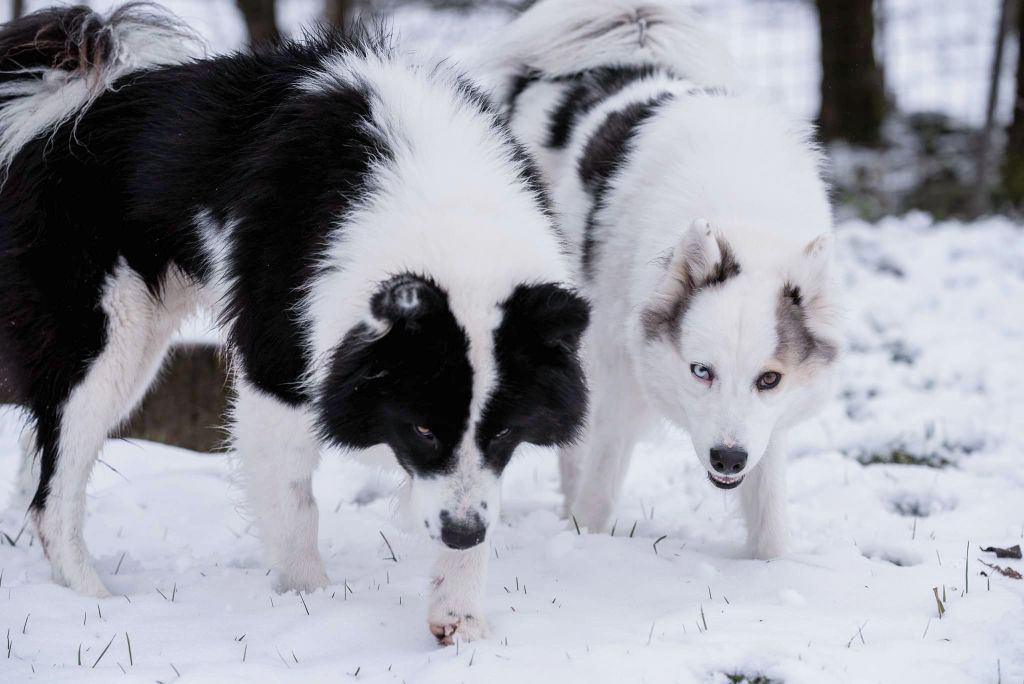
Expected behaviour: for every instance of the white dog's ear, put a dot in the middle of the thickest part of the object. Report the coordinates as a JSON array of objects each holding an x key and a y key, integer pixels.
[
  {"x": 807, "y": 310},
  {"x": 700, "y": 259}
]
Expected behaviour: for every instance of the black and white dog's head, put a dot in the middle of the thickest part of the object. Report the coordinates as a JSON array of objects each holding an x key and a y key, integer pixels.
[{"x": 452, "y": 408}]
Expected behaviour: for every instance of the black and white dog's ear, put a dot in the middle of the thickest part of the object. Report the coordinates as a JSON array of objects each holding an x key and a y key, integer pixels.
[
  {"x": 555, "y": 315},
  {"x": 700, "y": 259},
  {"x": 405, "y": 297}
]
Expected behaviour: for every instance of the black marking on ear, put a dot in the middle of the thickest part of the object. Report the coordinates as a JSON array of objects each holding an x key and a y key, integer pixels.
[
  {"x": 668, "y": 319},
  {"x": 416, "y": 372},
  {"x": 587, "y": 90},
  {"x": 796, "y": 341},
  {"x": 604, "y": 155},
  {"x": 541, "y": 393}
]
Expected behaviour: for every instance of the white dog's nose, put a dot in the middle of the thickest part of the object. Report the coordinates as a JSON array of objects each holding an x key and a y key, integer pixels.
[{"x": 728, "y": 460}]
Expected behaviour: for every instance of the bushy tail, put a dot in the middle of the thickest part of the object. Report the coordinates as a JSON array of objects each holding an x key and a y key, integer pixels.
[
  {"x": 561, "y": 37},
  {"x": 55, "y": 63}
]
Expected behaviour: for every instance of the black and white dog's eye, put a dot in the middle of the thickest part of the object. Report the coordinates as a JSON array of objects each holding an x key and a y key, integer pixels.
[
  {"x": 502, "y": 433},
  {"x": 769, "y": 380},
  {"x": 424, "y": 432},
  {"x": 702, "y": 372}
]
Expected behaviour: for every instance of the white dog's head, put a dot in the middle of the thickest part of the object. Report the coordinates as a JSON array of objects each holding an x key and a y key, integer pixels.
[{"x": 733, "y": 352}]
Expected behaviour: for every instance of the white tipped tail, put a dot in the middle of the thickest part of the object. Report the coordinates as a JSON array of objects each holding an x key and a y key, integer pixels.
[
  {"x": 55, "y": 63},
  {"x": 561, "y": 37}
]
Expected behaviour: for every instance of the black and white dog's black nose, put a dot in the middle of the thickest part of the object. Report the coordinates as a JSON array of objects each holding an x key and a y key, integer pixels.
[
  {"x": 727, "y": 460},
  {"x": 463, "y": 534}
]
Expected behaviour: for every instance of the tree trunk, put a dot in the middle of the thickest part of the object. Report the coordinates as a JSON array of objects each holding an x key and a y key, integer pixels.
[
  {"x": 1013, "y": 171},
  {"x": 17, "y": 8},
  {"x": 852, "y": 87},
  {"x": 187, "y": 405},
  {"x": 260, "y": 20},
  {"x": 337, "y": 12}
]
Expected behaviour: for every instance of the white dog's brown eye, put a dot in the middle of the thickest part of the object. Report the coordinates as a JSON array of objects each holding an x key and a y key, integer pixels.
[
  {"x": 702, "y": 372},
  {"x": 424, "y": 432},
  {"x": 768, "y": 380}
]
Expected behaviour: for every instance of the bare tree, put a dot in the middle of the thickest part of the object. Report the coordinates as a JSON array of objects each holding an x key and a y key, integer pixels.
[
  {"x": 260, "y": 20},
  {"x": 17, "y": 8},
  {"x": 337, "y": 12},
  {"x": 1013, "y": 171},
  {"x": 853, "y": 101}
]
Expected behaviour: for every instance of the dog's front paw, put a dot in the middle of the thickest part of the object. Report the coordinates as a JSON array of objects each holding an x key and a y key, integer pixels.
[
  {"x": 447, "y": 628},
  {"x": 303, "y": 578},
  {"x": 767, "y": 547}
]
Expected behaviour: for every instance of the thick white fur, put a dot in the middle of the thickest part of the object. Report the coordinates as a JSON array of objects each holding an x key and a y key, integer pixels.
[
  {"x": 139, "y": 331},
  {"x": 561, "y": 37},
  {"x": 140, "y": 39},
  {"x": 706, "y": 166}
]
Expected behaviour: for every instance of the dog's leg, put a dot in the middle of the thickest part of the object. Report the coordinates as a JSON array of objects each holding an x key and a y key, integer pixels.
[
  {"x": 69, "y": 438},
  {"x": 764, "y": 503},
  {"x": 277, "y": 454},
  {"x": 569, "y": 460},
  {"x": 606, "y": 449},
  {"x": 457, "y": 595}
]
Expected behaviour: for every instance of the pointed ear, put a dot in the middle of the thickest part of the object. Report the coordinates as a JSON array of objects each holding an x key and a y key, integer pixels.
[
  {"x": 807, "y": 311},
  {"x": 405, "y": 297},
  {"x": 811, "y": 272},
  {"x": 700, "y": 259},
  {"x": 553, "y": 314}
]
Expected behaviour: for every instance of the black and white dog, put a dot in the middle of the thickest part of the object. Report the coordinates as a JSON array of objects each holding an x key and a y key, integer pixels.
[
  {"x": 703, "y": 234},
  {"x": 374, "y": 242}
]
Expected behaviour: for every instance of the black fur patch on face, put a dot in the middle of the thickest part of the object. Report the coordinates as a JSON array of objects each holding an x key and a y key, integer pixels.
[
  {"x": 587, "y": 90},
  {"x": 668, "y": 319},
  {"x": 796, "y": 341},
  {"x": 604, "y": 155},
  {"x": 540, "y": 396},
  {"x": 380, "y": 388}
]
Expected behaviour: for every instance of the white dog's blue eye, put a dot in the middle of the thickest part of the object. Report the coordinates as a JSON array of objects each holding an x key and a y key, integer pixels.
[{"x": 702, "y": 372}]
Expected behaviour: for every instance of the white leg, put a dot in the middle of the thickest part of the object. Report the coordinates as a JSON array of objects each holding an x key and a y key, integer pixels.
[
  {"x": 457, "y": 596},
  {"x": 277, "y": 454},
  {"x": 569, "y": 459},
  {"x": 138, "y": 333},
  {"x": 764, "y": 504},
  {"x": 615, "y": 422}
]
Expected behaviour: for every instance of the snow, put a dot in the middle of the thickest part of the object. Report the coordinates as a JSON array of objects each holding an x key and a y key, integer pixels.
[
  {"x": 935, "y": 329},
  {"x": 933, "y": 370}
]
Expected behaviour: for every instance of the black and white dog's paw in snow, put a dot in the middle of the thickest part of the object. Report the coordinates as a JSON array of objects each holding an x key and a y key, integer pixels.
[
  {"x": 703, "y": 234},
  {"x": 371, "y": 238}
]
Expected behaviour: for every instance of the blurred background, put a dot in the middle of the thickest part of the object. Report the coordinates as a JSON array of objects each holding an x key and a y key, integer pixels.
[{"x": 920, "y": 104}]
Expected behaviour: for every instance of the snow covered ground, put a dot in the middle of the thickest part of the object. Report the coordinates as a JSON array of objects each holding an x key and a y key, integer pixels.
[{"x": 933, "y": 376}]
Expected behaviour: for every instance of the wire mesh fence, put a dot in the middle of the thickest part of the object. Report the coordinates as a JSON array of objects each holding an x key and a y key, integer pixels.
[{"x": 936, "y": 54}]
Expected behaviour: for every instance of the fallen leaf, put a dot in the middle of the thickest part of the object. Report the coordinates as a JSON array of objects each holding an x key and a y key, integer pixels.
[{"x": 1006, "y": 572}]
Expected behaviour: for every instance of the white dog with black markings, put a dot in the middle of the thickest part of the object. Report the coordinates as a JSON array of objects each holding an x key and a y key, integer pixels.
[{"x": 703, "y": 232}]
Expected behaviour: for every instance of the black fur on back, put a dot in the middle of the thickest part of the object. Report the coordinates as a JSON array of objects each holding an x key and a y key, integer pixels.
[
  {"x": 124, "y": 181},
  {"x": 604, "y": 154},
  {"x": 585, "y": 92}
]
